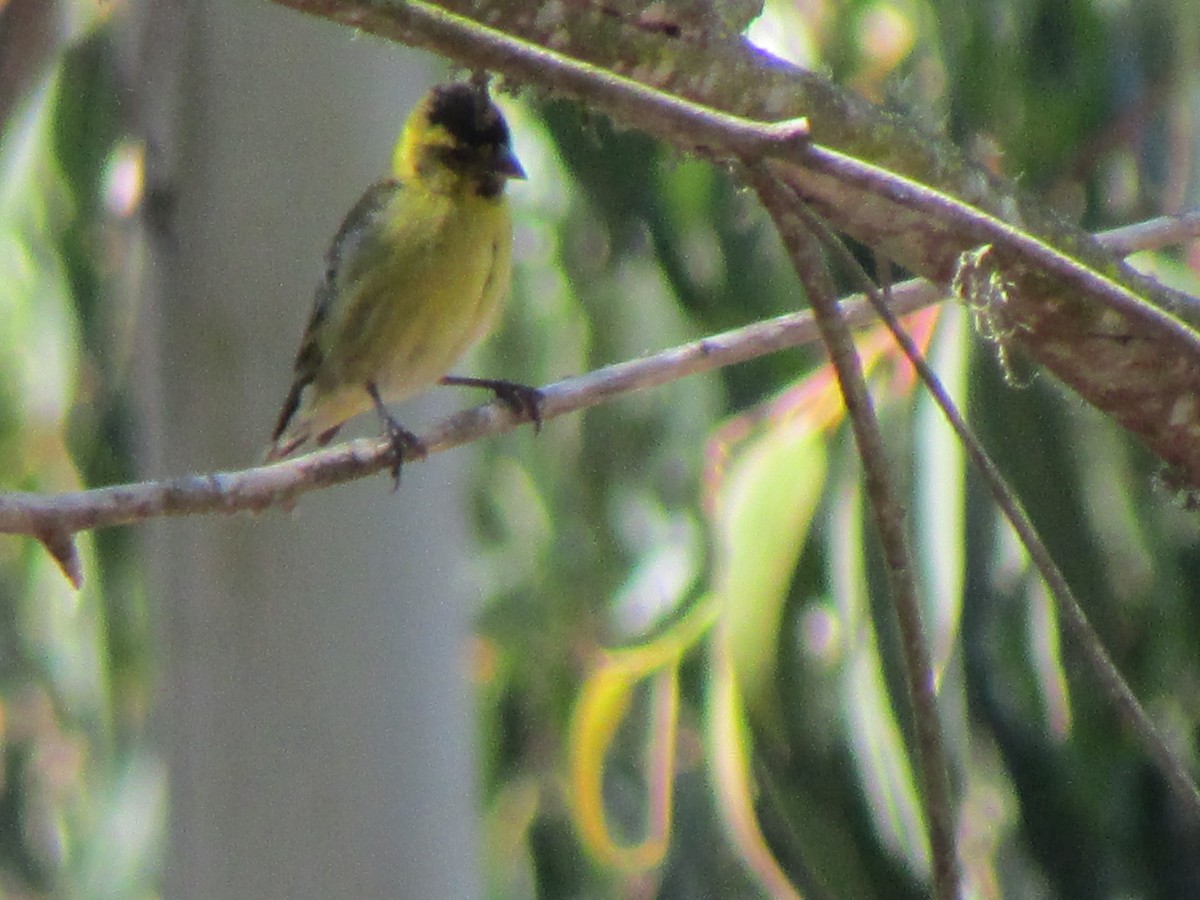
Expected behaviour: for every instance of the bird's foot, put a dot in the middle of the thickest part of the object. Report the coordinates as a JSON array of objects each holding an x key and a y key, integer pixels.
[
  {"x": 405, "y": 444},
  {"x": 524, "y": 400}
]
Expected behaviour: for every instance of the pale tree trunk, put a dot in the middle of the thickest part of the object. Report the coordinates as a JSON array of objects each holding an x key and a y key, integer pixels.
[{"x": 315, "y": 711}]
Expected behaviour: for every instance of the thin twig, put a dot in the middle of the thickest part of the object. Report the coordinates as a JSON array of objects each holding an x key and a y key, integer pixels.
[
  {"x": 259, "y": 488},
  {"x": 1113, "y": 685},
  {"x": 888, "y": 513},
  {"x": 1152, "y": 234}
]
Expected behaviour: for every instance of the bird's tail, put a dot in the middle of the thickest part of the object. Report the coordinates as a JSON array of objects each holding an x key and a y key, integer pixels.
[{"x": 285, "y": 440}]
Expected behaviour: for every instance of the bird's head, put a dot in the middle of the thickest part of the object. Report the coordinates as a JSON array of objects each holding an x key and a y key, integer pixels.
[{"x": 457, "y": 137}]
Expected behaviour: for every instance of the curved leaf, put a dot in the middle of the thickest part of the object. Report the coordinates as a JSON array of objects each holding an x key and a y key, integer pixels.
[{"x": 601, "y": 709}]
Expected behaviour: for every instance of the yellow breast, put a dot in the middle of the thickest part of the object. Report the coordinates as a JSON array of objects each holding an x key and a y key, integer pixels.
[{"x": 417, "y": 294}]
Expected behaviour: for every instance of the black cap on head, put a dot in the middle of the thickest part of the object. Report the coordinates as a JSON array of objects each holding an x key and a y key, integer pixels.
[
  {"x": 466, "y": 111},
  {"x": 476, "y": 147}
]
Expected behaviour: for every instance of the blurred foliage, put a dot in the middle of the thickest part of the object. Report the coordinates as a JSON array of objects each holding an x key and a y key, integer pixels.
[
  {"x": 688, "y": 670},
  {"x": 687, "y": 667},
  {"x": 81, "y": 803}
]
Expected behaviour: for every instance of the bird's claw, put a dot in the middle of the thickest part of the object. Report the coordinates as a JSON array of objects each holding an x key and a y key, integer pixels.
[
  {"x": 524, "y": 400},
  {"x": 405, "y": 445},
  {"x": 404, "y": 442}
]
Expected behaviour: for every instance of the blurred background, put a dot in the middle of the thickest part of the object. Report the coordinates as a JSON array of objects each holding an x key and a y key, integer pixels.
[{"x": 644, "y": 654}]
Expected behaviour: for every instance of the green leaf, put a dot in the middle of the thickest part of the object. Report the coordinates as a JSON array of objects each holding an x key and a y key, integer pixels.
[
  {"x": 764, "y": 510},
  {"x": 602, "y": 707}
]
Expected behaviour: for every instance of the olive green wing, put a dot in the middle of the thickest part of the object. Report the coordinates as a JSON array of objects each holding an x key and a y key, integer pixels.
[{"x": 357, "y": 228}]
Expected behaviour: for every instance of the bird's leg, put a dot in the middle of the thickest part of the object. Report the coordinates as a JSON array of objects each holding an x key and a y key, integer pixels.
[
  {"x": 403, "y": 441},
  {"x": 522, "y": 399}
]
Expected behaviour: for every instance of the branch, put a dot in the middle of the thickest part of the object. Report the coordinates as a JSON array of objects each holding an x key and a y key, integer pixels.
[
  {"x": 62, "y": 515},
  {"x": 259, "y": 488},
  {"x": 691, "y": 126},
  {"x": 888, "y": 513}
]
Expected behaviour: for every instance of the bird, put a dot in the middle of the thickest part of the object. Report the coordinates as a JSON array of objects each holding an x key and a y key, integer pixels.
[{"x": 414, "y": 277}]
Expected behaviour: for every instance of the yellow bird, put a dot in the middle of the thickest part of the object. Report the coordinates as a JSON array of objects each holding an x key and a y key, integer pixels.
[{"x": 415, "y": 276}]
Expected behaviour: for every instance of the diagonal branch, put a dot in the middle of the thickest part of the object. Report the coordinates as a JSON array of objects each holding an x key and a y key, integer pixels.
[
  {"x": 61, "y": 515},
  {"x": 262, "y": 487},
  {"x": 1128, "y": 708},
  {"x": 888, "y": 512}
]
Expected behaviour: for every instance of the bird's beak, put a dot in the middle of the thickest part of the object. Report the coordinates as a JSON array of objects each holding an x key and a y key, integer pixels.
[{"x": 507, "y": 164}]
